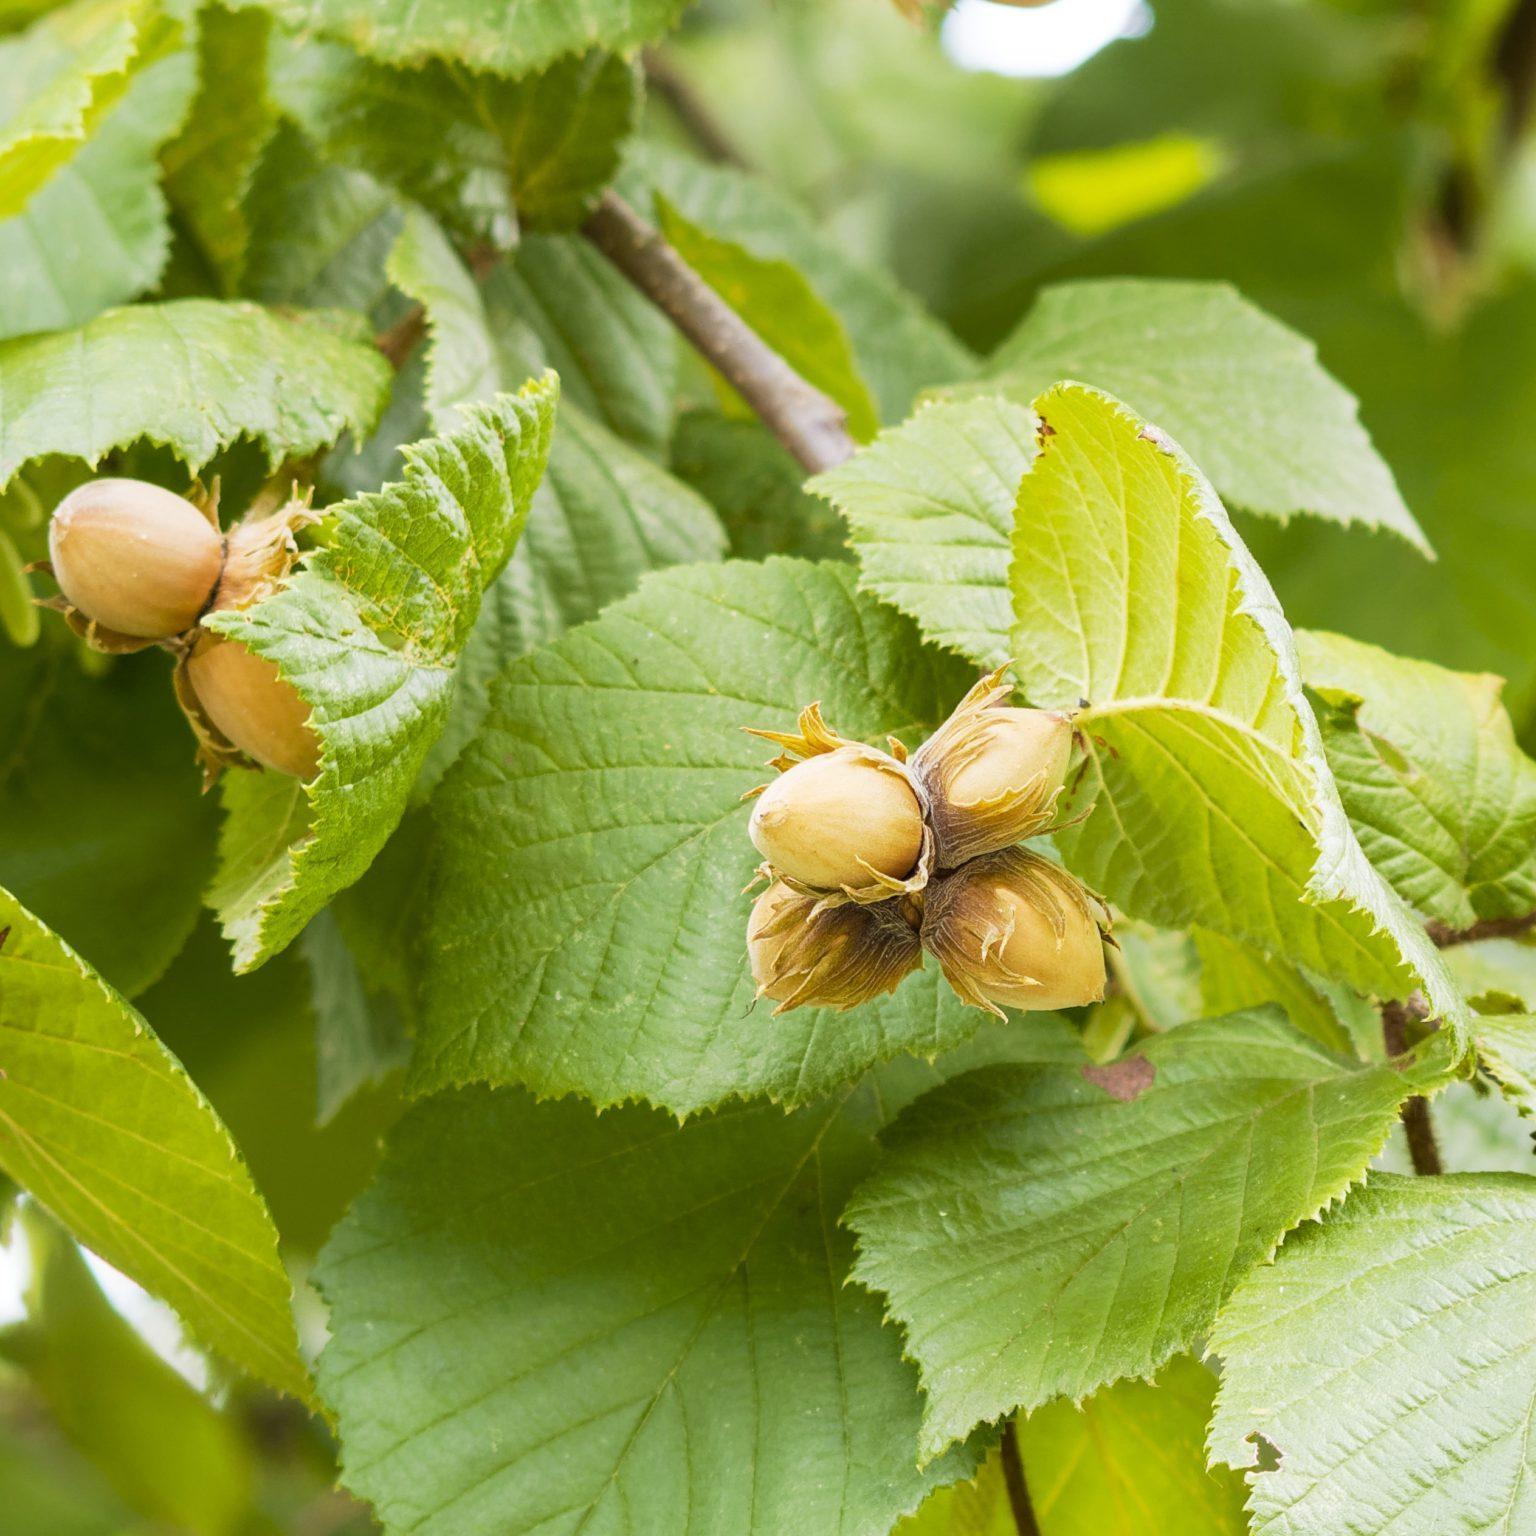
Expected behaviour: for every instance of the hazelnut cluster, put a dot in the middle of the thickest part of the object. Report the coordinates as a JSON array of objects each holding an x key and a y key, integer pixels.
[
  {"x": 139, "y": 566},
  {"x": 872, "y": 858}
]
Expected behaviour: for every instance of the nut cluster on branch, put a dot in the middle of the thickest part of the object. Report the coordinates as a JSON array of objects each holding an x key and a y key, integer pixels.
[
  {"x": 873, "y": 857},
  {"x": 139, "y": 566}
]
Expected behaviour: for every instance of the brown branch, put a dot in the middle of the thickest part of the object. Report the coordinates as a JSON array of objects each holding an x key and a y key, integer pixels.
[
  {"x": 1447, "y": 937},
  {"x": 1013, "y": 1478},
  {"x": 809, "y": 423},
  {"x": 1417, "y": 1126},
  {"x": 1514, "y": 64},
  {"x": 690, "y": 109}
]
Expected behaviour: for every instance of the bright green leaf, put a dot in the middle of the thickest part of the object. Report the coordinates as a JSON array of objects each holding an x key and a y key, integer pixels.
[
  {"x": 587, "y": 931},
  {"x": 368, "y": 631},
  {"x": 290, "y": 382},
  {"x": 1506, "y": 1047},
  {"x": 100, "y": 1123},
  {"x": 1404, "y": 1320},
  {"x": 1441, "y": 797},
  {"x": 1212, "y": 801},
  {"x": 1040, "y": 1232},
  {"x": 1131, "y": 1461},
  {"x": 976, "y": 1508}
]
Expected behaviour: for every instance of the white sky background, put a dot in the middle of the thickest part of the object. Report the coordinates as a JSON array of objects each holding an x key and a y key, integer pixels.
[{"x": 1031, "y": 41}]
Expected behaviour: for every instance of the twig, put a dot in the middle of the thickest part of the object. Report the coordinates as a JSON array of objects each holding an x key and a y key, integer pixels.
[
  {"x": 1447, "y": 937},
  {"x": 809, "y": 423},
  {"x": 669, "y": 83},
  {"x": 1018, "y": 1489},
  {"x": 1417, "y": 1126}
]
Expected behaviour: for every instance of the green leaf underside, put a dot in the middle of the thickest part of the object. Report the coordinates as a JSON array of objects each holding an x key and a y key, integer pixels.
[
  {"x": 292, "y": 383},
  {"x": 604, "y": 514},
  {"x": 506, "y": 37},
  {"x": 1131, "y": 1461},
  {"x": 930, "y": 508},
  {"x": 1506, "y": 1047},
  {"x": 685, "y": 1352},
  {"x": 588, "y": 924},
  {"x": 62, "y": 79},
  {"x": 100, "y": 1123},
  {"x": 368, "y": 630},
  {"x": 1386, "y": 1357},
  {"x": 1243, "y": 393},
  {"x": 1440, "y": 795},
  {"x": 778, "y": 302},
  {"x": 1037, "y": 1237},
  {"x": 106, "y": 201},
  {"x": 1212, "y": 800}
]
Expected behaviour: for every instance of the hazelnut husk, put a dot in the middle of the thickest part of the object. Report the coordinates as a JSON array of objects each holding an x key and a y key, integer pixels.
[
  {"x": 806, "y": 952},
  {"x": 991, "y": 775},
  {"x": 844, "y": 820},
  {"x": 136, "y": 564},
  {"x": 1013, "y": 930}
]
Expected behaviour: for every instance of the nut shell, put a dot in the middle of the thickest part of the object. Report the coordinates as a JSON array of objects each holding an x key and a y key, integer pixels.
[
  {"x": 834, "y": 820},
  {"x": 253, "y": 705},
  {"x": 1013, "y": 930},
  {"x": 134, "y": 558}
]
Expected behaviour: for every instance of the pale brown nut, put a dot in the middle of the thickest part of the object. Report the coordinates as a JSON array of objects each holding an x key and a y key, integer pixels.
[{"x": 252, "y": 705}]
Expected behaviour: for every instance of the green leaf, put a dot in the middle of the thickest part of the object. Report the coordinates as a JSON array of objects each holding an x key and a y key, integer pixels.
[
  {"x": 106, "y": 201},
  {"x": 290, "y": 382},
  {"x": 1131, "y": 1461},
  {"x": 1407, "y": 1317},
  {"x": 482, "y": 153},
  {"x": 1441, "y": 797},
  {"x": 320, "y": 233},
  {"x": 61, "y": 78},
  {"x": 100, "y": 1123},
  {"x": 106, "y": 836},
  {"x": 930, "y": 510},
  {"x": 1495, "y": 975},
  {"x": 559, "y": 303},
  {"x": 1040, "y": 1232},
  {"x": 368, "y": 631},
  {"x": 898, "y": 348},
  {"x": 603, "y": 516},
  {"x": 780, "y": 305},
  {"x": 1506, "y": 1047},
  {"x": 170, "y": 1454},
  {"x": 587, "y": 931},
  {"x": 210, "y": 165},
  {"x": 1244, "y": 394},
  {"x": 686, "y": 1348},
  {"x": 500, "y": 37},
  {"x": 1213, "y": 803}
]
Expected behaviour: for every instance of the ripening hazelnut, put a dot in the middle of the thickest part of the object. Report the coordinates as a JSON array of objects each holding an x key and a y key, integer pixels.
[
  {"x": 840, "y": 820},
  {"x": 134, "y": 558},
  {"x": 1014, "y": 930},
  {"x": 804, "y": 952},
  {"x": 992, "y": 773},
  {"x": 253, "y": 705}
]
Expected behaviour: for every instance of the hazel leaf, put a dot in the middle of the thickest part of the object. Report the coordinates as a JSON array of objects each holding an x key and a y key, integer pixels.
[
  {"x": 291, "y": 382},
  {"x": 1441, "y": 796},
  {"x": 1038, "y": 1236},
  {"x": 1246, "y": 395},
  {"x": 588, "y": 925},
  {"x": 1212, "y": 800},
  {"x": 99, "y": 1122},
  {"x": 688, "y": 1345},
  {"x": 369, "y": 630},
  {"x": 1405, "y": 1315}
]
